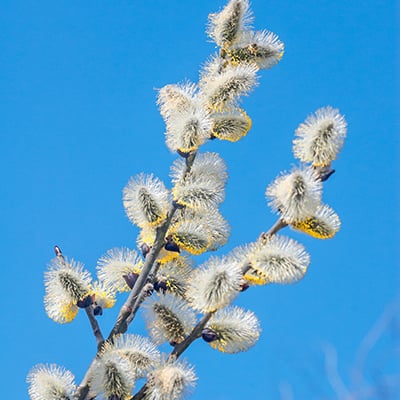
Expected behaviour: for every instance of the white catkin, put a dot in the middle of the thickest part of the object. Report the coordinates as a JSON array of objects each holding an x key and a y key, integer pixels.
[
  {"x": 262, "y": 48},
  {"x": 145, "y": 200},
  {"x": 214, "y": 284},
  {"x": 237, "y": 329},
  {"x": 296, "y": 195},
  {"x": 168, "y": 318},
  {"x": 222, "y": 90},
  {"x": 225, "y": 26},
  {"x": 280, "y": 259},
  {"x": 50, "y": 382},
  {"x": 320, "y": 137},
  {"x": 171, "y": 381}
]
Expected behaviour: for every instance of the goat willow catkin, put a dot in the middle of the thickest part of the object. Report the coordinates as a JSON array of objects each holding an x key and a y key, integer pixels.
[
  {"x": 215, "y": 284},
  {"x": 171, "y": 380},
  {"x": 324, "y": 224},
  {"x": 320, "y": 137},
  {"x": 140, "y": 352},
  {"x": 234, "y": 330},
  {"x": 67, "y": 283},
  {"x": 117, "y": 263},
  {"x": 145, "y": 200},
  {"x": 169, "y": 318},
  {"x": 225, "y": 26},
  {"x": 50, "y": 382},
  {"x": 113, "y": 376},
  {"x": 279, "y": 259},
  {"x": 296, "y": 195}
]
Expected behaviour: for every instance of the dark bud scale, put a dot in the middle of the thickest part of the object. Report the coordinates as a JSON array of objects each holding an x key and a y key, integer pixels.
[
  {"x": 171, "y": 245},
  {"x": 85, "y": 302},
  {"x": 209, "y": 335},
  {"x": 160, "y": 286},
  {"x": 145, "y": 248},
  {"x": 130, "y": 279},
  {"x": 97, "y": 310}
]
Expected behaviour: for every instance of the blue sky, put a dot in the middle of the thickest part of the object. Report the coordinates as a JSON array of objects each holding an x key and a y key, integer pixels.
[{"x": 78, "y": 118}]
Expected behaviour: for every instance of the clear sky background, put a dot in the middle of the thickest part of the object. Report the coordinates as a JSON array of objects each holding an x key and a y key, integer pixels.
[{"x": 78, "y": 118}]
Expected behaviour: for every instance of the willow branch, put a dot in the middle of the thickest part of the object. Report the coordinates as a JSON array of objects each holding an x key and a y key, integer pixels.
[
  {"x": 195, "y": 334},
  {"x": 180, "y": 348},
  {"x": 121, "y": 324},
  {"x": 95, "y": 327},
  {"x": 145, "y": 292},
  {"x": 197, "y": 330},
  {"x": 131, "y": 305},
  {"x": 83, "y": 388},
  {"x": 136, "y": 296}
]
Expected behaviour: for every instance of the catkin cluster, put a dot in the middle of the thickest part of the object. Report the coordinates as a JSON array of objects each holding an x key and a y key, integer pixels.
[{"x": 180, "y": 300}]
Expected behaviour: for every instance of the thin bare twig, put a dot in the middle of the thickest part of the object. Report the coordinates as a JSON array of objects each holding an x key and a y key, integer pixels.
[
  {"x": 371, "y": 339},
  {"x": 279, "y": 224},
  {"x": 332, "y": 373},
  {"x": 95, "y": 327}
]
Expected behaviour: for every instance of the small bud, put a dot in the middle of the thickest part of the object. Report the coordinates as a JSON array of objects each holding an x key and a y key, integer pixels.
[
  {"x": 177, "y": 205},
  {"x": 171, "y": 246},
  {"x": 160, "y": 285},
  {"x": 183, "y": 154},
  {"x": 209, "y": 335},
  {"x": 326, "y": 174},
  {"x": 85, "y": 302},
  {"x": 145, "y": 248},
  {"x": 58, "y": 252},
  {"x": 98, "y": 311},
  {"x": 130, "y": 279}
]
